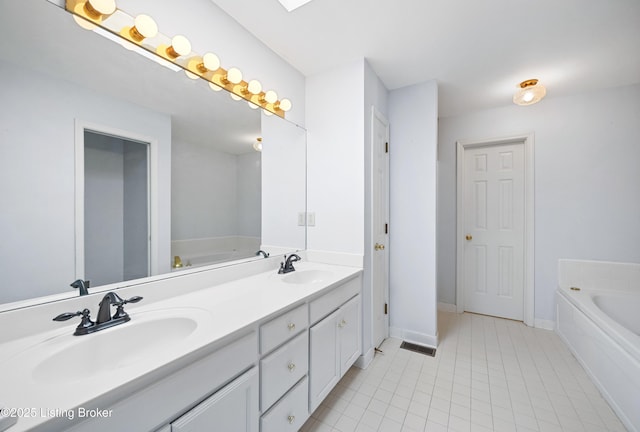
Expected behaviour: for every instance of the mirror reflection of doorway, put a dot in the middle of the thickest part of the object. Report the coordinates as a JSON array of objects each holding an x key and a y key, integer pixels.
[{"x": 116, "y": 208}]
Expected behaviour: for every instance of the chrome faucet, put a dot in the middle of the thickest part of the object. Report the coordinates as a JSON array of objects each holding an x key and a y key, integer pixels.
[
  {"x": 263, "y": 253},
  {"x": 82, "y": 285},
  {"x": 287, "y": 265},
  {"x": 104, "y": 320}
]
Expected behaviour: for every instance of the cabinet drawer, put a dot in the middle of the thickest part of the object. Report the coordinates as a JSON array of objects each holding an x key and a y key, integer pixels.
[
  {"x": 331, "y": 301},
  {"x": 283, "y": 327},
  {"x": 280, "y": 370},
  {"x": 290, "y": 413}
]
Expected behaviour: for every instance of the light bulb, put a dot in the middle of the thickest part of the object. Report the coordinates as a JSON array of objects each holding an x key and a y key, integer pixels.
[
  {"x": 234, "y": 75},
  {"x": 529, "y": 92},
  {"x": 143, "y": 27},
  {"x": 191, "y": 75},
  {"x": 211, "y": 61},
  {"x": 180, "y": 46},
  {"x": 252, "y": 105},
  {"x": 214, "y": 87},
  {"x": 271, "y": 96},
  {"x": 254, "y": 87},
  {"x": 257, "y": 146},
  {"x": 285, "y": 105},
  {"x": 98, "y": 8},
  {"x": 235, "y": 96}
]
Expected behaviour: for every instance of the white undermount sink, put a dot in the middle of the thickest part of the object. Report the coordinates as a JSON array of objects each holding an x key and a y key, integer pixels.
[
  {"x": 307, "y": 276},
  {"x": 148, "y": 335}
]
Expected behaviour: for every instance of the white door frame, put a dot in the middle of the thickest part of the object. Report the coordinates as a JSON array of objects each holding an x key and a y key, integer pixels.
[
  {"x": 152, "y": 187},
  {"x": 529, "y": 286}
]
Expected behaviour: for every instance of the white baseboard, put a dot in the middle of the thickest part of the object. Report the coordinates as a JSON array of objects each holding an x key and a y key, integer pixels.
[
  {"x": 447, "y": 307},
  {"x": 544, "y": 324},
  {"x": 415, "y": 337},
  {"x": 364, "y": 360}
]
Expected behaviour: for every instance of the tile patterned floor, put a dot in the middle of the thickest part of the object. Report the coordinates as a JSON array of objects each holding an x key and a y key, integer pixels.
[{"x": 489, "y": 374}]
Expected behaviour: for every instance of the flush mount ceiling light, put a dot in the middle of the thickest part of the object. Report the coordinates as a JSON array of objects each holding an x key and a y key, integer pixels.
[
  {"x": 290, "y": 5},
  {"x": 529, "y": 92},
  {"x": 141, "y": 35}
]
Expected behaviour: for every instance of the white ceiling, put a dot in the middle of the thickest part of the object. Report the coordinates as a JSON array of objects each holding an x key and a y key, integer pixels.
[{"x": 478, "y": 51}]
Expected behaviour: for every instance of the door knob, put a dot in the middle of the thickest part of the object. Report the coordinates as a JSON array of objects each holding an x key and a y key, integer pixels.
[
  {"x": 379, "y": 246},
  {"x": 469, "y": 237}
]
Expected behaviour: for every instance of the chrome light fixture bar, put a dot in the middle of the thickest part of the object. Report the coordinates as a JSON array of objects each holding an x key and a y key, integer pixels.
[{"x": 141, "y": 33}]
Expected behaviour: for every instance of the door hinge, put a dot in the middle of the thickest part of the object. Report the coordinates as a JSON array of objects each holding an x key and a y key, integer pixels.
[
  {"x": 386, "y": 147},
  {"x": 386, "y": 309},
  {"x": 386, "y": 228}
]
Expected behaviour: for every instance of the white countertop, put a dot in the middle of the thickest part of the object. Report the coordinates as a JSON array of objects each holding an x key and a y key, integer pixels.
[{"x": 39, "y": 391}]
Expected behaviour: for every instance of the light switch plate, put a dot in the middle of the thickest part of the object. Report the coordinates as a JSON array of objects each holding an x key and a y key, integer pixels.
[
  {"x": 311, "y": 219},
  {"x": 301, "y": 219}
]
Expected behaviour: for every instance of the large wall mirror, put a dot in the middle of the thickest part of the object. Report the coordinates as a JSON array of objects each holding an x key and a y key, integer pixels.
[{"x": 116, "y": 168}]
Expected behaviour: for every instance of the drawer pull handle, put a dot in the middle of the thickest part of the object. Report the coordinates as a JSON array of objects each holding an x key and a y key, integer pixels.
[
  {"x": 291, "y": 419},
  {"x": 291, "y": 326},
  {"x": 291, "y": 367}
]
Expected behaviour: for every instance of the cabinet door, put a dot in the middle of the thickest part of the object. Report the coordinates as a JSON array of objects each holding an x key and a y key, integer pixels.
[
  {"x": 324, "y": 365},
  {"x": 349, "y": 333},
  {"x": 233, "y": 408}
]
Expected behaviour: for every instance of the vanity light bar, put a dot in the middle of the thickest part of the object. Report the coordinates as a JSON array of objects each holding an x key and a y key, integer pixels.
[{"x": 142, "y": 31}]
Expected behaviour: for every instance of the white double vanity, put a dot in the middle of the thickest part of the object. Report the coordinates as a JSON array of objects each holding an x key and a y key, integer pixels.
[{"x": 239, "y": 348}]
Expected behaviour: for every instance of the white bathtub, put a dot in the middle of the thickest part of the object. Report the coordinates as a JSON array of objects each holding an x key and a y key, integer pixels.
[{"x": 601, "y": 326}]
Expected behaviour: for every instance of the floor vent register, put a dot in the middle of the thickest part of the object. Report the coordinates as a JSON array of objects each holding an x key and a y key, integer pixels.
[{"x": 418, "y": 348}]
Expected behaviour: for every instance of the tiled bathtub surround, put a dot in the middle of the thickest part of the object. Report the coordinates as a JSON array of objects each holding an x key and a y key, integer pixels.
[{"x": 489, "y": 374}]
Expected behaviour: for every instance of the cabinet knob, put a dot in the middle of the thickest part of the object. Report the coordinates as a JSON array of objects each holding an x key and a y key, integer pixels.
[
  {"x": 291, "y": 367},
  {"x": 291, "y": 326},
  {"x": 291, "y": 419},
  {"x": 468, "y": 237}
]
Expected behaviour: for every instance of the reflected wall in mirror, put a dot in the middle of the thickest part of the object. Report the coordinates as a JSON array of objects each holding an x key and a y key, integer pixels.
[{"x": 212, "y": 197}]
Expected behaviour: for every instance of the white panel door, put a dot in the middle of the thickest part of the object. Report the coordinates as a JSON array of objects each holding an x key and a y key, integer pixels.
[
  {"x": 494, "y": 200},
  {"x": 380, "y": 226}
]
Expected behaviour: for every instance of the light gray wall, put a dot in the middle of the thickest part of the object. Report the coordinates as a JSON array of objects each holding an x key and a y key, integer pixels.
[
  {"x": 413, "y": 117},
  {"x": 587, "y": 182},
  {"x": 249, "y": 181},
  {"x": 283, "y": 163},
  {"x": 37, "y": 155},
  {"x": 215, "y": 194},
  {"x": 203, "y": 178},
  {"x": 136, "y": 205},
  {"x": 103, "y": 209},
  {"x": 335, "y": 192}
]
